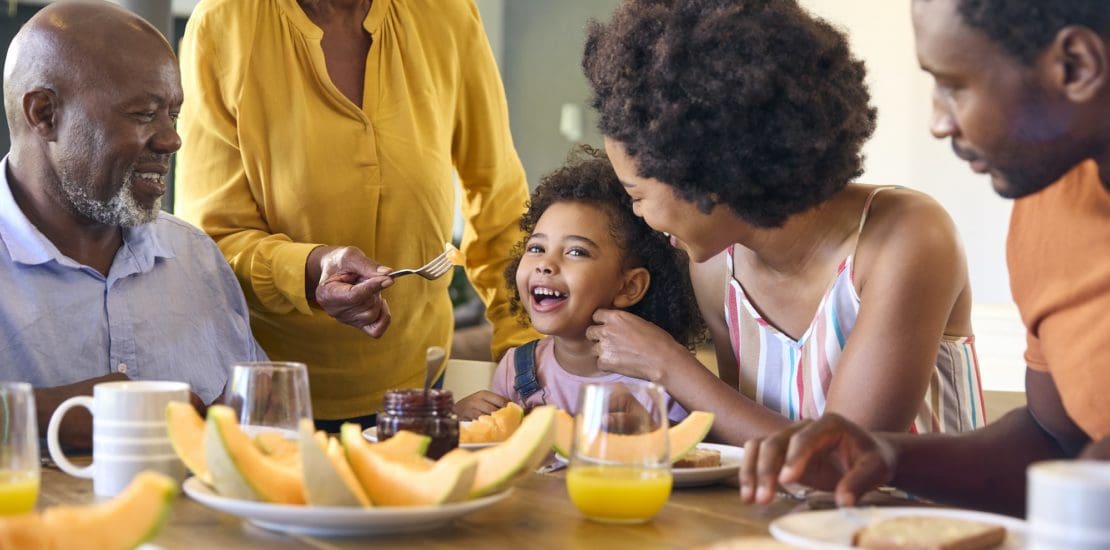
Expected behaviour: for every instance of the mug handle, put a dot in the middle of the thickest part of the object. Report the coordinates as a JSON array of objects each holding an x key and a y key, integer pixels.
[{"x": 56, "y": 453}]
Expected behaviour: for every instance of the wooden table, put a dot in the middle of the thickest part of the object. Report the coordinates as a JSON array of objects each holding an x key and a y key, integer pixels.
[{"x": 537, "y": 515}]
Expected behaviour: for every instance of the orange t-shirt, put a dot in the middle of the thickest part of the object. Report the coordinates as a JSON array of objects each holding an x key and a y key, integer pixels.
[{"x": 1058, "y": 253}]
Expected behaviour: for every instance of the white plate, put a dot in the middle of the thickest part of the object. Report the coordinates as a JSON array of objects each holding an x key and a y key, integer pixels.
[
  {"x": 371, "y": 435},
  {"x": 337, "y": 520},
  {"x": 698, "y": 477},
  {"x": 833, "y": 529}
]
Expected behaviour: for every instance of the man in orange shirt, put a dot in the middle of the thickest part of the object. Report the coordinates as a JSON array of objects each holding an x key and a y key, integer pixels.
[{"x": 1023, "y": 93}]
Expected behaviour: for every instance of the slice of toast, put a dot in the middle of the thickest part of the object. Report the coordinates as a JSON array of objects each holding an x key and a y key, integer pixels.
[
  {"x": 929, "y": 533},
  {"x": 700, "y": 458}
]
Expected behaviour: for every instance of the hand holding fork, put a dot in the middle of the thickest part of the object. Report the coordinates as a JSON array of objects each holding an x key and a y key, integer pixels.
[
  {"x": 349, "y": 287},
  {"x": 350, "y": 284}
]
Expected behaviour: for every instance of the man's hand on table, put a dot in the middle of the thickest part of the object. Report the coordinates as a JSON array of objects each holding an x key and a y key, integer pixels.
[
  {"x": 76, "y": 428},
  {"x": 348, "y": 286},
  {"x": 75, "y": 431},
  {"x": 830, "y": 454}
]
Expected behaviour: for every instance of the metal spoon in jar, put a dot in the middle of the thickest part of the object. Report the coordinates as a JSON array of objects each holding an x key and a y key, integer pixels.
[{"x": 435, "y": 363}]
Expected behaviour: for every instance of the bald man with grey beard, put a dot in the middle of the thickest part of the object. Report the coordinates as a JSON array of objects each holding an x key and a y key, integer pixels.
[{"x": 101, "y": 284}]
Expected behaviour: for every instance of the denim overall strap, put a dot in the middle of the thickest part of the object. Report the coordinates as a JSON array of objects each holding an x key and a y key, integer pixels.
[{"x": 524, "y": 366}]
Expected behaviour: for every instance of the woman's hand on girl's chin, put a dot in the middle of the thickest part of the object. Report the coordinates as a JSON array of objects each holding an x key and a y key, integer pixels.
[{"x": 628, "y": 345}]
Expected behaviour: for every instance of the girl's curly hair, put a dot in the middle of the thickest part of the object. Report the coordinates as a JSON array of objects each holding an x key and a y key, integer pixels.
[
  {"x": 588, "y": 178},
  {"x": 753, "y": 104}
]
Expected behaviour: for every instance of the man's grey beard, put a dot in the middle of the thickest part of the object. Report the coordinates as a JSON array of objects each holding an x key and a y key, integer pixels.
[{"x": 122, "y": 209}]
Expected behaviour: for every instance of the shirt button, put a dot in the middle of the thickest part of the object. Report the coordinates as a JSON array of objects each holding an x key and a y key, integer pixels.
[{"x": 122, "y": 368}]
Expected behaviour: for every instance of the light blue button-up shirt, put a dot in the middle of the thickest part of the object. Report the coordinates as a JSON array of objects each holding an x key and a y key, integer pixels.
[{"x": 169, "y": 309}]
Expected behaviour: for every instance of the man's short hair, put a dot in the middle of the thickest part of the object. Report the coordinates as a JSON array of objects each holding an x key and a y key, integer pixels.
[{"x": 1024, "y": 28}]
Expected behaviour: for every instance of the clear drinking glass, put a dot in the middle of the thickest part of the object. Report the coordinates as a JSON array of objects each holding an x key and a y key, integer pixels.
[
  {"x": 19, "y": 449},
  {"x": 620, "y": 468},
  {"x": 269, "y": 396}
]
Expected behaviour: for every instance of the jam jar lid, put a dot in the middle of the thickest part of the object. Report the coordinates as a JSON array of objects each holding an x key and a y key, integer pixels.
[{"x": 418, "y": 401}]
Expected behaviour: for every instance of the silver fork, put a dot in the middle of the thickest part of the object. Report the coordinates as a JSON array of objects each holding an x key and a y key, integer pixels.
[{"x": 436, "y": 268}]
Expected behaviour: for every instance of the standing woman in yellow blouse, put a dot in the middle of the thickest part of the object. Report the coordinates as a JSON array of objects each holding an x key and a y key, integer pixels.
[{"x": 319, "y": 142}]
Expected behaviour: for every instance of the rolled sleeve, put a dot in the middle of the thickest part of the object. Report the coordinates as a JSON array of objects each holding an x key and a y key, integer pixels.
[{"x": 495, "y": 190}]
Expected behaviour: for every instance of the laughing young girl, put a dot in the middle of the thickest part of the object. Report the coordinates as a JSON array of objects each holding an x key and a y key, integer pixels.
[{"x": 585, "y": 250}]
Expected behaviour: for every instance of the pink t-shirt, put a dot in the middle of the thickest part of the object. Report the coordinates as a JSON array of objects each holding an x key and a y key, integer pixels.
[{"x": 557, "y": 386}]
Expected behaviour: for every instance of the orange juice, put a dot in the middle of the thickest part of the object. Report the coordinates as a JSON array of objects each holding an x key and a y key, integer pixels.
[
  {"x": 622, "y": 494},
  {"x": 18, "y": 491}
]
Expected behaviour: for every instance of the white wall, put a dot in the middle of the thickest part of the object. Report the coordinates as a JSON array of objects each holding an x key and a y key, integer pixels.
[{"x": 903, "y": 152}]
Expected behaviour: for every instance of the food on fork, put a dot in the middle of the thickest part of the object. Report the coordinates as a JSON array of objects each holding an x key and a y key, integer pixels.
[
  {"x": 700, "y": 457},
  {"x": 454, "y": 254},
  {"x": 929, "y": 533}
]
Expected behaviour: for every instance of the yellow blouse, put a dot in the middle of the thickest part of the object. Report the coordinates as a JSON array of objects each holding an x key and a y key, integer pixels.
[{"x": 277, "y": 161}]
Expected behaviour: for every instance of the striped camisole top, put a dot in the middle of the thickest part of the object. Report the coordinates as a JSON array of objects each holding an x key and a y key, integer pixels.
[{"x": 792, "y": 377}]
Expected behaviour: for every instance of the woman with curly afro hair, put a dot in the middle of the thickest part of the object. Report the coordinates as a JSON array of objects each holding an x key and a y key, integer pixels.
[
  {"x": 736, "y": 127},
  {"x": 584, "y": 250}
]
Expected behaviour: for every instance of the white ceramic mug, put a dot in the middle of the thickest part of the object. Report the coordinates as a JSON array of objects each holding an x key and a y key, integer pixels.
[
  {"x": 129, "y": 433},
  {"x": 1068, "y": 504}
]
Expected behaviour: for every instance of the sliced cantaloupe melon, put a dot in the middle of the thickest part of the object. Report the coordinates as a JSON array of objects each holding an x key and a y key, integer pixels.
[
  {"x": 126, "y": 521},
  {"x": 186, "y": 432},
  {"x": 403, "y": 444},
  {"x": 277, "y": 447},
  {"x": 498, "y": 465},
  {"x": 412, "y": 481},
  {"x": 494, "y": 427},
  {"x": 328, "y": 479},
  {"x": 542, "y": 453},
  {"x": 564, "y": 432},
  {"x": 479, "y": 430},
  {"x": 686, "y": 435},
  {"x": 25, "y": 531},
  {"x": 239, "y": 470},
  {"x": 683, "y": 437}
]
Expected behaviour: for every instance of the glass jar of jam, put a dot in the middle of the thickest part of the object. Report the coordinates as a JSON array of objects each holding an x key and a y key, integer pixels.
[{"x": 431, "y": 413}]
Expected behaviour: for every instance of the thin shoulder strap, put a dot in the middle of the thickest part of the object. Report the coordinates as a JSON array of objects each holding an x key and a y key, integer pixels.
[
  {"x": 730, "y": 260},
  {"x": 867, "y": 211},
  {"x": 524, "y": 367}
]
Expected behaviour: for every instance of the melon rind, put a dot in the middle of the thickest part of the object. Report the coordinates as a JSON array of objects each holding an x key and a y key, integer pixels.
[
  {"x": 129, "y": 519},
  {"x": 683, "y": 437},
  {"x": 185, "y": 429},
  {"x": 325, "y": 481},
  {"x": 520, "y": 453},
  {"x": 240, "y": 470},
  {"x": 407, "y": 481}
]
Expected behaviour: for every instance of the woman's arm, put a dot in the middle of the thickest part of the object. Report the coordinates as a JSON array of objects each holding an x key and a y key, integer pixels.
[
  {"x": 492, "y": 179},
  {"x": 911, "y": 270},
  {"x": 633, "y": 347},
  {"x": 212, "y": 190}
]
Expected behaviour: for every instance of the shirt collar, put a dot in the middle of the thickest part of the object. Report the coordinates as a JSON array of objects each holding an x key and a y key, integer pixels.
[
  {"x": 27, "y": 245},
  {"x": 296, "y": 14}
]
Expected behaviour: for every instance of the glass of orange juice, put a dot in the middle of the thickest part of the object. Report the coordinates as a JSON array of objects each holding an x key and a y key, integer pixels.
[
  {"x": 620, "y": 469},
  {"x": 19, "y": 449}
]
